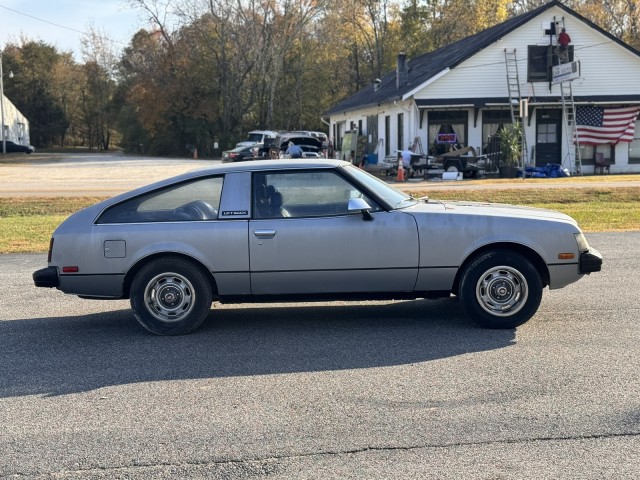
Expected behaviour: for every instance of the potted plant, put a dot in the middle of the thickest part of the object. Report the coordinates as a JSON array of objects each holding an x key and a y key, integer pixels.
[{"x": 511, "y": 149}]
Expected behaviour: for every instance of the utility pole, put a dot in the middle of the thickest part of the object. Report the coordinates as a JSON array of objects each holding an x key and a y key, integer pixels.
[{"x": 4, "y": 140}]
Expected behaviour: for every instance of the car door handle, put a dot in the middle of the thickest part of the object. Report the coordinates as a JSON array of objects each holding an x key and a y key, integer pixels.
[{"x": 264, "y": 233}]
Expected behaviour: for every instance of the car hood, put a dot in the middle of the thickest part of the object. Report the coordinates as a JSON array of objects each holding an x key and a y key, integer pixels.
[
  {"x": 302, "y": 141},
  {"x": 491, "y": 209}
]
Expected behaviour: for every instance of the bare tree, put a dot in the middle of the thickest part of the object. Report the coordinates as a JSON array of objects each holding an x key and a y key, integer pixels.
[{"x": 99, "y": 87}]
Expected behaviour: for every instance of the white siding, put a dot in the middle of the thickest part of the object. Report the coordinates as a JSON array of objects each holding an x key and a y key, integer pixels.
[
  {"x": 607, "y": 68},
  {"x": 16, "y": 126},
  {"x": 410, "y": 124}
]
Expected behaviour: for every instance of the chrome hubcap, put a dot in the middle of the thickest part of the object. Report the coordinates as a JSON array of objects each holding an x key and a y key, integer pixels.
[
  {"x": 502, "y": 291},
  {"x": 169, "y": 297}
]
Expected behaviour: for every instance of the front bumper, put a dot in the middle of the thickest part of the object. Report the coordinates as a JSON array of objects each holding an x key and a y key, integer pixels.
[
  {"x": 590, "y": 262},
  {"x": 47, "y": 277}
]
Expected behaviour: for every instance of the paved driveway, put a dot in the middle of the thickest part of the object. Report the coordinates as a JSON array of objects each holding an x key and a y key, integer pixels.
[
  {"x": 88, "y": 174},
  {"x": 110, "y": 174}
]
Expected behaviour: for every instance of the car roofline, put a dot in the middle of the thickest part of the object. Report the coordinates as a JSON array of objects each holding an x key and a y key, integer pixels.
[
  {"x": 259, "y": 165},
  {"x": 226, "y": 168}
]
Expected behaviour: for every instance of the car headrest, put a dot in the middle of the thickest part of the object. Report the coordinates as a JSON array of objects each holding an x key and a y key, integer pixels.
[{"x": 275, "y": 199}]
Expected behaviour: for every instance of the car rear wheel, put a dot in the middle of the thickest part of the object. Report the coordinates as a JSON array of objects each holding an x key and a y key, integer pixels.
[
  {"x": 171, "y": 296},
  {"x": 501, "y": 289},
  {"x": 453, "y": 167}
]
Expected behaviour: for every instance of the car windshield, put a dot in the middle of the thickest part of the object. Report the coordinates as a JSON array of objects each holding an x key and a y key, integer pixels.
[
  {"x": 393, "y": 197},
  {"x": 254, "y": 137}
]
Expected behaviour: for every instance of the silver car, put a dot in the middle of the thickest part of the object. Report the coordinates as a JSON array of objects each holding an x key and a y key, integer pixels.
[{"x": 308, "y": 230}]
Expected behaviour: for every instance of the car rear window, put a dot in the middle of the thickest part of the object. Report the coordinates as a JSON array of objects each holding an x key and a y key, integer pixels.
[{"x": 196, "y": 200}]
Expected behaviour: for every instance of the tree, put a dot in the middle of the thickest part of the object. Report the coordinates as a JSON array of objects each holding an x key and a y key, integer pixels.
[
  {"x": 98, "y": 88},
  {"x": 619, "y": 17},
  {"x": 32, "y": 89}
]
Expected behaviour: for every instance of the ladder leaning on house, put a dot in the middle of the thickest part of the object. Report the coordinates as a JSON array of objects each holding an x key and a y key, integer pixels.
[
  {"x": 569, "y": 115},
  {"x": 569, "y": 120},
  {"x": 515, "y": 97}
]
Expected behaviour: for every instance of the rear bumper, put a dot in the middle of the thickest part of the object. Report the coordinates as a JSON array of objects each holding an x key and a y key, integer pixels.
[
  {"x": 590, "y": 261},
  {"x": 46, "y": 277}
]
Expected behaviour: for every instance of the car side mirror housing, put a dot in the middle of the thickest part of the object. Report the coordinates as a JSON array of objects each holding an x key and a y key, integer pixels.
[{"x": 360, "y": 204}]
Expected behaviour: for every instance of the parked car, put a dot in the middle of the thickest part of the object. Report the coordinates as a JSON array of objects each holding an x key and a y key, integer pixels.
[
  {"x": 257, "y": 136},
  {"x": 238, "y": 154},
  {"x": 13, "y": 147},
  {"x": 261, "y": 150},
  {"x": 319, "y": 135},
  {"x": 310, "y": 145},
  {"x": 280, "y": 230}
]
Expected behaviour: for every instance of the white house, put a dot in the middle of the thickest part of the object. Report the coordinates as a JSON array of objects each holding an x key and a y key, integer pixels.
[
  {"x": 16, "y": 126},
  {"x": 466, "y": 91}
]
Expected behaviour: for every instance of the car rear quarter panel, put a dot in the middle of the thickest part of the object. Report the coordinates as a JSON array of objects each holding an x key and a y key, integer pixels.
[{"x": 220, "y": 246}]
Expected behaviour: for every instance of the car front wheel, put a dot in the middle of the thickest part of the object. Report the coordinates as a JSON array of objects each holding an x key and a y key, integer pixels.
[
  {"x": 501, "y": 289},
  {"x": 171, "y": 296}
]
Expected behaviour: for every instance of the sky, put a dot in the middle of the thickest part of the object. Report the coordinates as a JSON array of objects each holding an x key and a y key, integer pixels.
[{"x": 36, "y": 18}]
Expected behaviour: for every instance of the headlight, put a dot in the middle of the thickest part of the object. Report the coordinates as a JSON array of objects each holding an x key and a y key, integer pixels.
[{"x": 583, "y": 245}]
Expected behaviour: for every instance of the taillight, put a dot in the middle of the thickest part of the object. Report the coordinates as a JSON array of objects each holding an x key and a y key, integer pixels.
[{"x": 50, "y": 250}]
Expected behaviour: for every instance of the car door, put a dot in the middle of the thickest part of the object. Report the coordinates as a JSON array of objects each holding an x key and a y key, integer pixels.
[{"x": 305, "y": 241}]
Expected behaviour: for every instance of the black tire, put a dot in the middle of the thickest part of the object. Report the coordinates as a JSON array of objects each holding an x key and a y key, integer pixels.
[
  {"x": 453, "y": 167},
  {"x": 171, "y": 296},
  {"x": 470, "y": 173},
  {"x": 500, "y": 289}
]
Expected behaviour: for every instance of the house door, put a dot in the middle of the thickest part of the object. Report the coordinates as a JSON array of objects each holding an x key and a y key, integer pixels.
[{"x": 548, "y": 129}]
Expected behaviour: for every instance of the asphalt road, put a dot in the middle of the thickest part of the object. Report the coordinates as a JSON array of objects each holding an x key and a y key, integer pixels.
[
  {"x": 107, "y": 174},
  {"x": 336, "y": 390},
  {"x": 389, "y": 390}
]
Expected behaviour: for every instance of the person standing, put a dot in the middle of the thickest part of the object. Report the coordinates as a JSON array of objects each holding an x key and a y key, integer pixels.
[
  {"x": 294, "y": 151},
  {"x": 406, "y": 156},
  {"x": 562, "y": 49}
]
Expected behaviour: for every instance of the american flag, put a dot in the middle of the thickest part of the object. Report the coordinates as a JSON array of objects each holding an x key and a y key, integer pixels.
[{"x": 598, "y": 125}]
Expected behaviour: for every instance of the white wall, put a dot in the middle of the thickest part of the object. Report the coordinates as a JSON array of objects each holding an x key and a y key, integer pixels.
[
  {"x": 15, "y": 124},
  {"x": 410, "y": 123},
  {"x": 607, "y": 68}
]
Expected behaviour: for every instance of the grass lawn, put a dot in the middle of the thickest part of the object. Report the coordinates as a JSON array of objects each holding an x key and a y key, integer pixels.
[{"x": 26, "y": 223}]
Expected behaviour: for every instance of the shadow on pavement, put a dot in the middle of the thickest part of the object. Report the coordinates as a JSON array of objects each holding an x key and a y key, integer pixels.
[{"x": 64, "y": 355}]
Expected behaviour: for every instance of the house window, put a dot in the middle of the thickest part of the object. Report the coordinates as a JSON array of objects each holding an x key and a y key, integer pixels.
[
  {"x": 400, "y": 131},
  {"x": 387, "y": 135},
  {"x": 588, "y": 153},
  {"x": 540, "y": 59},
  {"x": 447, "y": 130},
  {"x": 634, "y": 146},
  {"x": 372, "y": 133},
  {"x": 547, "y": 133},
  {"x": 341, "y": 127},
  {"x": 492, "y": 122}
]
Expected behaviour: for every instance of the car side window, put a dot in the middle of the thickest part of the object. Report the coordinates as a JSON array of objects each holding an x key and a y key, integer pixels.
[
  {"x": 304, "y": 194},
  {"x": 197, "y": 200}
]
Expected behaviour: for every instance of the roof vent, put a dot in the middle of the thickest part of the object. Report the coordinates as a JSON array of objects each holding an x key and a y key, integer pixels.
[{"x": 376, "y": 84}]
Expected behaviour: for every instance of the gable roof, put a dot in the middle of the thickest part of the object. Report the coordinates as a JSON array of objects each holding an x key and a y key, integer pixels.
[{"x": 424, "y": 67}]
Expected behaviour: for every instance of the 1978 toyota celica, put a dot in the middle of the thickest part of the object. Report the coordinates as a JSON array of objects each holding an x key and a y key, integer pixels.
[{"x": 308, "y": 230}]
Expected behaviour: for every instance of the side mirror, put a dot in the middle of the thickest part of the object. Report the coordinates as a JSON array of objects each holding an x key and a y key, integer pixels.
[{"x": 360, "y": 204}]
